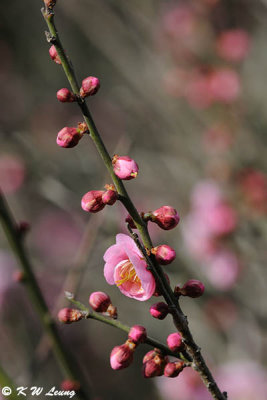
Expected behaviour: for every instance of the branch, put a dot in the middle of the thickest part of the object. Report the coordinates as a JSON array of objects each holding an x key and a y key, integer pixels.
[
  {"x": 16, "y": 242},
  {"x": 180, "y": 320}
]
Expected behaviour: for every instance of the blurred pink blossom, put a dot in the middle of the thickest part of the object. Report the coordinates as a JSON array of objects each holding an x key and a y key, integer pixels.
[
  {"x": 224, "y": 85},
  {"x": 233, "y": 45},
  {"x": 223, "y": 269},
  {"x": 241, "y": 380},
  {"x": 179, "y": 21},
  {"x": 12, "y": 173}
]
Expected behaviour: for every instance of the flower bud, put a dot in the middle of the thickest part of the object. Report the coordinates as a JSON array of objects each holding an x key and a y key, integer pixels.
[
  {"x": 65, "y": 95},
  {"x": 165, "y": 217},
  {"x": 192, "y": 288},
  {"x": 68, "y": 137},
  {"x": 137, "y": 334},
  {"x": 69, "y": 385},
  {"x": 154, "y": 365},
  {"x": 159, "y": 310},
  {"x": 90, "y": 86},
  {"x": 18, "y": 276},
  {"x": 69, "y": 315},
  {"x": 125, "y": 167},
  {"x": 151, "y": 354},
  {"x": 122, "y": 356},
  {"x": 130, "y": 221},
  {"x": 53, "y": 54},
  {"x": 164, "y": 254},
  {"x": 92, "y": 201},
  {"x": 157, "y": 292},
  {"x": 23, "y": 227},
  {"x": 173, "y": 369},
  {"x": 175, "y": 342},
  {"x": 110, "y": 197},
  {"x": 100, "y": 302}
]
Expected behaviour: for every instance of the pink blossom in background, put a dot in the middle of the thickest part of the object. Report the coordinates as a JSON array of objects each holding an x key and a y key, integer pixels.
[
  {"x": 245, "y": 380},
  {"x": 179, "y": 22},
  {"x": 198, "y": 92},
  {"x": 12, "y": 173},
  {"x": 221, "y": 312},
  {"x": 223, "y": 269},
  {"x": 233, "y": 45},
  {"x": 224, "y": 85},
  {"x": 217, "y": 138},
  {"x": 56, "y": 236},
  {"x": 126, "y": 268},
  {"x": 206, "y": 194},
  {"x": 221, "y": 219}
]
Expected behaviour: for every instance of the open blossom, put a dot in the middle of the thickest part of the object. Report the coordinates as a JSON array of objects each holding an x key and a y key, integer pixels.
[{"x": 125, "y": 267}]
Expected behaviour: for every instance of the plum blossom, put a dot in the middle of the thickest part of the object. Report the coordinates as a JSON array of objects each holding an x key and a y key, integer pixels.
[{"x": 125, "y": 267}]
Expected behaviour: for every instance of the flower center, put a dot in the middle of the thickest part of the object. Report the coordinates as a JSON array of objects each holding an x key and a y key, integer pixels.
[{"x": 127, "y": 274}]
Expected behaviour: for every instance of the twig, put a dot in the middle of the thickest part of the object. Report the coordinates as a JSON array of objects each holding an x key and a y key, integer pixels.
[
  {"x": 119, "y": 325},
  {"x": 16, "y": 242},
  {"x": 179, "y": 318}
]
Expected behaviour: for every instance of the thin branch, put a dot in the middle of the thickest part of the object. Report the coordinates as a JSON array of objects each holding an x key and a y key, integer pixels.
[
  {"x": 180, "y": 320},
  {"x": 16, "y": 242}
]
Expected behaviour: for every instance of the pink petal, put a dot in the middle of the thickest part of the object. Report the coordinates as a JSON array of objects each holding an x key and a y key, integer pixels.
[{"x": 127, "y": 243}]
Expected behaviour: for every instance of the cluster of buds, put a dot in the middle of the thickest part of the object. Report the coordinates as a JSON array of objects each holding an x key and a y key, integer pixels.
[
  {"x": 192, "y": 288},
  {"x": 122, "y": 356},
  {"x": 124, "y": 167},
  {"x": 156, "y": 364},
  {"x": 70, "y": 136},
  {"x": 100, "y": 302},
  {"x": 95, "y": 200},
  {"x": 69, "y": 315}
]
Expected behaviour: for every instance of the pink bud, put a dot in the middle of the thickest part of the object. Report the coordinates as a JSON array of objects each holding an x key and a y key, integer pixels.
[
  {"x": 65, "y": 95},
  {"x": 121, "y": 356},
  {"x": 151, "y": 369},
  {"x": 130, "y": 221},
  {"x": 18, "y": 276},
  {"x": 69, "y": 315},
  {"x": 150, "y": 355},
  {"x": 90, "y": 86},
  {"x": 68, "y": 137},
  {"x": 193, "y": 288},
  {"x": 159, "y": 310},
  {"x": 125, "y": 167},
  {"x": 99, "y": 301},
  {"x": 23, "y": 227},
  {"x": 165, "y": 217},
  {"x": 92, "y": 201},
  {"x": 53, "y": 54},
  {"x": 137, "y": 334},
  {"x": 173, "y": 369},
  {"x": 68, "y": 385},
  {"x": 175, "y": 342},
  {"x": 164, "y": 254},
  {"x": 110, "y": 197}
]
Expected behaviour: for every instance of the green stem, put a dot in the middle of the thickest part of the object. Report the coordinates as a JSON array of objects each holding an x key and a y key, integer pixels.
[
  {"x": 179, "y": 318},
  {"x": 16, "y": 242},
  {"x": 125, "y": 328},
  {"x": 5, "y": 381}
]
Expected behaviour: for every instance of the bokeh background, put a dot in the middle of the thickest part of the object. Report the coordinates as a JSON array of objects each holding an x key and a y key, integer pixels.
[{"x": 183, "y": 92}]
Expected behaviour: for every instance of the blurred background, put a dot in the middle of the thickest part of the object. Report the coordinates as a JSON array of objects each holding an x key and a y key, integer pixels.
[{"x": 183, "y": 92}]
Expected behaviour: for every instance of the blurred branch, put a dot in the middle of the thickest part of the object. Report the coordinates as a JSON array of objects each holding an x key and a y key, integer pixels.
[
  {"x": 16, "y": 242},
  {"x": 5, "y": 382},
  {"x": 179, "y": 319}
]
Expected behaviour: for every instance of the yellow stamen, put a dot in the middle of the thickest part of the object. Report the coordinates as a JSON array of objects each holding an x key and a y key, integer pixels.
[{"x": 127, "y": 273}]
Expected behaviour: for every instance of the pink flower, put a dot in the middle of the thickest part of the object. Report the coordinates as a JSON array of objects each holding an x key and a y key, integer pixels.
[
  {"x": 125, "y": 267},
  {"x": 225, "y": 85},
  {"x": 233, "y": 45},
  {"x": 223, "y": 269}
]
